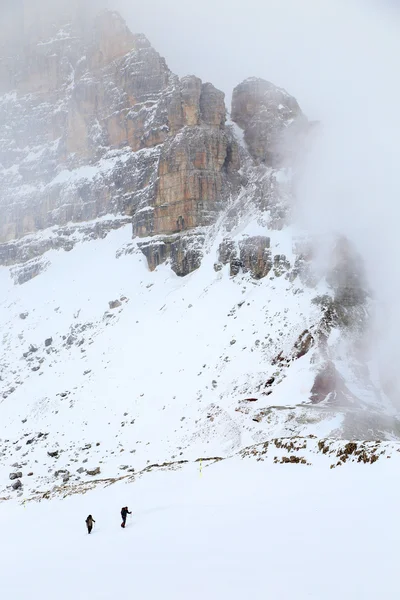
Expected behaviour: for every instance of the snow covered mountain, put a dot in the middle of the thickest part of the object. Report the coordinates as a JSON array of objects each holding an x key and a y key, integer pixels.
[{"x": 158, "y": 302}]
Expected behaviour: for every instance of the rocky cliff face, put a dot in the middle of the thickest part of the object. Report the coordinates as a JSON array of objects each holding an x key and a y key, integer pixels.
[{"x": 95, "y": 123}]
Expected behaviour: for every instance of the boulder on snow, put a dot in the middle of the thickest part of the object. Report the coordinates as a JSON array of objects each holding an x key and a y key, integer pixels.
[
  {"x": 15, "y": 475},
  {"x": 48, "y": 342},
  {"x": 114, "y": 304},
  {"x": 62, "y": 472},
  {"x": 94, "y": 472},
  {"x": 17, "y": 485}
]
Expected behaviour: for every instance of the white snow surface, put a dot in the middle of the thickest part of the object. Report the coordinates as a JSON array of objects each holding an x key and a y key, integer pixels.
[
  {"x": 160, "y": 376},
  {"x": 244, "y": 529}
]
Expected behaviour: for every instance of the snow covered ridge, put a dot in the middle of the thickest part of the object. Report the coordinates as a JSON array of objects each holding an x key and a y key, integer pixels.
[{"x": 303, "y": 451}]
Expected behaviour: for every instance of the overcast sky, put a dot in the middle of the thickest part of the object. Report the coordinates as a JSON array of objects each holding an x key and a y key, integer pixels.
[{"x": 298, "y": 44}]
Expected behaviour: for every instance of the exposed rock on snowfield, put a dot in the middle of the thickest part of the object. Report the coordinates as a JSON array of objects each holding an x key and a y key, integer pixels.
[
  {"x": 183, "y": 252},
  {"x": 252, "y": 255},
  {"x": 157, "y": 296}
]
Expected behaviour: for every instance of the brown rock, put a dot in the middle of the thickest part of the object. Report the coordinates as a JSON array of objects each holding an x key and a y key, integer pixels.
[
  {"x": 118, "y": 88},
  {"x": 191, "y": 91},
  {"x": 111, "y": 96},
  {"x": 192, "y": 181},
  {"x": 303, "y": 344},
  {"x": 212, "y": 106},
  {"x": 111, "y": 40}
]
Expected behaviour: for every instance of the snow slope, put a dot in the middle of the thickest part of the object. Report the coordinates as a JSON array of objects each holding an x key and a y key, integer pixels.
[
  {"x": 171, "y": 372},
  {"x": 143, "y": 377},
  {"x": 244, "y": 529}
]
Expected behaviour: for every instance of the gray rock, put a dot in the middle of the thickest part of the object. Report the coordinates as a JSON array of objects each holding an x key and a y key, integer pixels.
[
  {"x": 48, "y": 342},
  {"x": 184, "y": 252},
  {"x": 255, "y": 256},
  {"x": 24, "y": 273},
  {"x": 62, "y": 472},
  {"x": 280, "y": 265},
  {"x": 114, "y": 304},
  {"x": 265, "y": 113},
  {"x": 94, "y": 472},
  {"x": 17, "y": 484},
  {"x": 15, "y": 475}
]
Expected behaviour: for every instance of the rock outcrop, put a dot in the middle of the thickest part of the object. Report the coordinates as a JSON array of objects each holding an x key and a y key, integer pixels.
[
  {"x": 183, "y": 252},
  {"x": 198, "y": 167},
  {"x": 251, "y": 255},
  {"x": 97, "y": 124},
  {"x": 128, "y": 138},
  {"x": 268, "y": 115}
]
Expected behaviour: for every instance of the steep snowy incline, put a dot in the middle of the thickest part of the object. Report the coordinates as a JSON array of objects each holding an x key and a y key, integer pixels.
[
  {"x": 242, "y": 530},
  {"x": 108, "y": 365},
  {"x": 164, "y": 369}
]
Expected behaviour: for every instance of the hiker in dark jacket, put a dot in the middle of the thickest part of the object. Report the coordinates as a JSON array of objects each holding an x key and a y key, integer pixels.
[
  {"x": 89, "y": 523},
  {"x": 124, "y": 513}
]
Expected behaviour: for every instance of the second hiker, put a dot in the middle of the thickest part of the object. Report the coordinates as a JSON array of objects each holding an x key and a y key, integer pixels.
[
  {"x": 124, "y": 512},
  {"x": 89, "y": 523}
]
